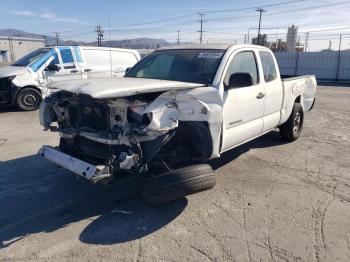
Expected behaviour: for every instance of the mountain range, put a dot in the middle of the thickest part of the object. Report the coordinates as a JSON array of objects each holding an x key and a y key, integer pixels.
[{"x": 137, "y": 43}]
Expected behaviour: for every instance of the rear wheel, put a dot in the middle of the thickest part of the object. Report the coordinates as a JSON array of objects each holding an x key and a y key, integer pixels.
[
  {"x": 291, "y": 130},
  {"x": 28, "y": 99},
  {"x": 178, "y": 183}
]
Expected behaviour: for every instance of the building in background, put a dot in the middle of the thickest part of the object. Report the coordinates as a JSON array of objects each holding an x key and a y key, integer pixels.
[
  {"x": 260, "y": 41},
  {"x": 13, "y": 48},
  {"x": 278, "y": 46},
  {"x": 292, "y": 35}
]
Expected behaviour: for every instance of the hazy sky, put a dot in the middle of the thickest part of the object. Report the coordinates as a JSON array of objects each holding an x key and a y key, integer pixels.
[{"x": 76, "y": 20}]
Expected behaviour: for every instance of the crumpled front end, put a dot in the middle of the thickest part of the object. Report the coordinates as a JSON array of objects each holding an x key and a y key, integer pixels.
[{"x": 127, "y": 134}]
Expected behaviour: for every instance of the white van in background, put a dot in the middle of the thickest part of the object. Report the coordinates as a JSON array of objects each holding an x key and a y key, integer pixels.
[{"x": 25, "y": 82}]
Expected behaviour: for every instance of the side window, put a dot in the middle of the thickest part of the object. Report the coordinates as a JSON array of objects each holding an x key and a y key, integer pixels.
[
  {"x": 78, "y": 54},
  {"x": 243, "y": 62},
  {"x": 268, "y": 66},
  {"x": 67, "y": 56}
]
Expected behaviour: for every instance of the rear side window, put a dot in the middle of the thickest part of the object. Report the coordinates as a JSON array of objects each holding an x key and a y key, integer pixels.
[
  {"x": 243, "y": 62},
  {"x": 67, "y": 56},
  {"x": 78, "y": 54},
  {"x": 268, "y": 65}
]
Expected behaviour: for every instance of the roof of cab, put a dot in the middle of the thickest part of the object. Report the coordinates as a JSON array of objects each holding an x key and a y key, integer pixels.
[
  {"x": 98, "y": 47},
  {"x": 197, "y": 46},
  {"x": 213, "y": 46}
]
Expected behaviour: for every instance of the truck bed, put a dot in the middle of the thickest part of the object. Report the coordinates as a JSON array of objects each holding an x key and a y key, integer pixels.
[{"x": 293, "y": 87}]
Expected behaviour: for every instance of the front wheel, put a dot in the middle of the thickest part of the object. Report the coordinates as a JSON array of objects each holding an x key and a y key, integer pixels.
[
  {"x": 28, "y": 99},
  {"x": 291, "y": 130}
]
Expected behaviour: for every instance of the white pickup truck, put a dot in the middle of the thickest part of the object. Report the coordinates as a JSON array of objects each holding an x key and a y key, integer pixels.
[{"x": 175, "y": 109}]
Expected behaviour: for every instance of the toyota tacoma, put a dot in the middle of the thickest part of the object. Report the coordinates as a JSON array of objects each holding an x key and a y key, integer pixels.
[{"x": 175, "y": 109}]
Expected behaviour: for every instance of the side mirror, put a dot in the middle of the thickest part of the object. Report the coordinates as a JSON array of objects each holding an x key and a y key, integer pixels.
[
  {"x": 127, "y": 70},
  {"x": 240, "y": 80},
  {"x": 53, "y": 67}
]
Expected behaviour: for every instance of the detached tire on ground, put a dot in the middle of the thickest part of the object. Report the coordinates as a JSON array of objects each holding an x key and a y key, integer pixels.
[
  {"x": 291, "y": 130},
  {"x": 28, "y": 99},
  {"x": 178, "y": 183}
]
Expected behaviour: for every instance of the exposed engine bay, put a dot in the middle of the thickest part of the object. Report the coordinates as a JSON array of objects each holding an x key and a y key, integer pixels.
[{"x": 127, "y": 134}]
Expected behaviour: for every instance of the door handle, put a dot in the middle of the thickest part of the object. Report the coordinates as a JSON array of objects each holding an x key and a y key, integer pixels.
[
  {"x": 260, "y": 95},
  {"x": 87, "y": 70},
  {"x": 74, "y": 71}
]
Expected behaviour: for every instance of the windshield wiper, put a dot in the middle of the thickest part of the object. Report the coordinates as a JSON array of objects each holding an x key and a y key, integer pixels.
[{"x": 17, "y": 65}]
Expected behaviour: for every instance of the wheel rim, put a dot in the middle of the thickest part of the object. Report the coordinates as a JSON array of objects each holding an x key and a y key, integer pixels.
[
  {"x": 30, "y": 99},
  {"x": 297, "y": 122}
]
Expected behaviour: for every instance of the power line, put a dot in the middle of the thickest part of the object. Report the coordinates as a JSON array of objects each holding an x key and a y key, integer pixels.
[
  {"x": 208, "y": 12},
  {"x": 253, "y": 7},
  {"x": 158, "y": 21},
  {"x": 329, "y": 29},
  {"x": 284, "y": 12}
]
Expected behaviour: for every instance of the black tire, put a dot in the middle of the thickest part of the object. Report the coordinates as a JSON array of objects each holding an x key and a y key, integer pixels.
[
  {"x": 291, "y": 130},
  {"x": 179, "y": 183},
  {"x": 28, "y": 99}
]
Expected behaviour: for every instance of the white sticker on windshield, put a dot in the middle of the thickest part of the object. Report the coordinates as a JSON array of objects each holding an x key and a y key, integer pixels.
[{"x": 211, "y": 55}]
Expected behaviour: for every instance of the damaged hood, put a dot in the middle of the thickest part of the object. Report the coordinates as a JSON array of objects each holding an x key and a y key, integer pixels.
[
  {"x": 120, "y": 87},
  {"x": 12, "y": 71}
]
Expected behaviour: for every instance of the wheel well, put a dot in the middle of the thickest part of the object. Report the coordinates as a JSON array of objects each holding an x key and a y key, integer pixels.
[
  {"x": 298, "y": 99},
  {"x": 192, "y": 139}
]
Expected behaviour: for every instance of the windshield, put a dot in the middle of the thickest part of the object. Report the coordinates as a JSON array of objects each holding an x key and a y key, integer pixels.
[
  {"x": 29, "y": 58},
  {"x": 194, "y": 66}
]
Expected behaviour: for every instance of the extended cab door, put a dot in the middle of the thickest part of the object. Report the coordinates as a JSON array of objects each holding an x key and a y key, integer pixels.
[
  {"x": 273, "y": 90},
  {"x": 243, "y": 106}
]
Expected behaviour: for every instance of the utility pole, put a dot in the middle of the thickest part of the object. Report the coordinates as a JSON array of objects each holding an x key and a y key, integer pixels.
[
  {"x": 260, "y": 10},
  {"x": 57, "y": 35},
  {"x": 306, "y": 40},
  {"x": 340, "y": 40},
  {"x": 99, "y": 35},
  {"x": 201, "y": 28},
  {"x": 45, "y": 40},
  {"x": 245, "y": 39},
  {"x": 330, "y": 45},
  {"x": 339, "y": 57},
  {"x": 178, "y": 37}
]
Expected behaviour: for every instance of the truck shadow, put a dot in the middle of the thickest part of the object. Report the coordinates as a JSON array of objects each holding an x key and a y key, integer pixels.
[
  {"x": 270, "y": 139},
  {"x": 38, "y": 197}
]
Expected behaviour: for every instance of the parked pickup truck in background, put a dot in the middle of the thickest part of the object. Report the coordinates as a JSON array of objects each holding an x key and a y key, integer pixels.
[
  {"x": 175, "y": 109},
  {"x": 24, "y": 83}
]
